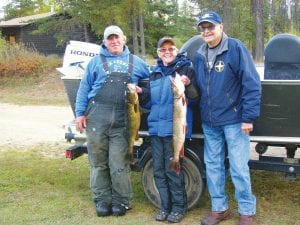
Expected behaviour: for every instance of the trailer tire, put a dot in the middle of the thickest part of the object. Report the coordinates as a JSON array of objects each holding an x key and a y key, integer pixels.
[{"x": 194, "y": 183}]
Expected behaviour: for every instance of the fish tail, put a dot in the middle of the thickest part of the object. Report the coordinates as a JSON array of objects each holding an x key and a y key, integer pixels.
[{"x": 131, "y": 158}]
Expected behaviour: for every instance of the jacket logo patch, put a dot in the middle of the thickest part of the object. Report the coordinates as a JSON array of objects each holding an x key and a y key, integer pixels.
[{"x": 219, "y": 66}]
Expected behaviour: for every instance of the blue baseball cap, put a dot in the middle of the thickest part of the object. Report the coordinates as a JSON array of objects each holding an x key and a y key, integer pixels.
[{"x": 211, "y": 17}]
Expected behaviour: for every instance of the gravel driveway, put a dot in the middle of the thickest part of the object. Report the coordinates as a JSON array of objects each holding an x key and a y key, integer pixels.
[{"x": 30, "y": 125}]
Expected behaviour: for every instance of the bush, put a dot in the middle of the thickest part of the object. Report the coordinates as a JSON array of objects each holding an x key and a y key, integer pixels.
[{"x": 17, "y": 61}]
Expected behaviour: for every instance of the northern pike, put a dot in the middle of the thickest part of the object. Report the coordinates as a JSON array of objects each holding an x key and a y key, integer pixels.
[
  {"x": 179, "y": 121},
  {"x": 133, "y": 113}
]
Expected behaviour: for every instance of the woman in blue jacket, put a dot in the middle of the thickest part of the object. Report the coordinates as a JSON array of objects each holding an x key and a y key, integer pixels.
[{"x": 170, "y": 185}]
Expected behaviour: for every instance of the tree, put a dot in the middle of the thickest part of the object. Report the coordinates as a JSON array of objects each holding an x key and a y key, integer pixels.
[
  {"x": 257, "y": 11},
  {"x": 254, "y": 22},
  {"x": 19, "y": 8}
]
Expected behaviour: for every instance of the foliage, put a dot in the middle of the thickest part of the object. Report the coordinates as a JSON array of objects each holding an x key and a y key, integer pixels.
[
  {"x": 162, "y": 18},
  {"x": 18, "y": 8},
  {"x": 16, "y": 60},
  {"x": 158, "y": 14},
  {"x": 61, "y": 26},
  {"x": 240, "y": 22}
]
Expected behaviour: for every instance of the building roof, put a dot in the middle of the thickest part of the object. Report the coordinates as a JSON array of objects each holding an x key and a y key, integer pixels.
[{"x": 22, "y": 21}]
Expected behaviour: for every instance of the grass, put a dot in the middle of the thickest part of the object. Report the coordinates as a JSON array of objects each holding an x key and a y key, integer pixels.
[
  {"x": 46, "y": 89},
  {"x": 39, "y": 186}
]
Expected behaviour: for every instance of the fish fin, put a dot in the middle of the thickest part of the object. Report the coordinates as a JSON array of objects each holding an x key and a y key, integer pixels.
[
  {"x": 172, "y": 80},
  {"x": 135, "y": 107},
  {"x": 184, "y": 101},
  {"x": 186, "y": 129},
  {"x": 137, "y": 136},
  {"x": 181, "y": 153},
  {"x": 175, "y": 166}
]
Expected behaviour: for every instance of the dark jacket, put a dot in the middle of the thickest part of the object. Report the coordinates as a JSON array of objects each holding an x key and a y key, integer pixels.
[
  {"x": 159, "y": 97},
  {"x": 231, "y": 91}
]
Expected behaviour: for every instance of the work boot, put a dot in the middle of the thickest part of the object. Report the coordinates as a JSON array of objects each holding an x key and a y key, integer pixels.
[
  {"x": 118, "y": 210},
  {"x": 161, "y": 215},
  {"x": 245, "y": 220},
  {"x": 175, "y": 217},
  {"x": 214, "y": 217},
  {"x": 103, "y": 209}
]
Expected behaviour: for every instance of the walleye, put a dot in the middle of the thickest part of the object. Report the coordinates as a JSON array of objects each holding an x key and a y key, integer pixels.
[
  {"x": 133, "y": 114},
  {"x": 179, "y": 121}
]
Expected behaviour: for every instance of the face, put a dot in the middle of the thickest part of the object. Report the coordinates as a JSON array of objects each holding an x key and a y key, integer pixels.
[
  {"x": 211, "y": 33},
  {"x": 167, "y": 53},
  {"x": 115, "y": 44}
]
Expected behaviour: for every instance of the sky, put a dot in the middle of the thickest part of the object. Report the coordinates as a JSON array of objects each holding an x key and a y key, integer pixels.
[{"x": 2, "y": 4}]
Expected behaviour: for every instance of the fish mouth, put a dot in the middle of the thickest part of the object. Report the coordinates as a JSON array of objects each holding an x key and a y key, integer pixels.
[{"x": 131, "y": 88}]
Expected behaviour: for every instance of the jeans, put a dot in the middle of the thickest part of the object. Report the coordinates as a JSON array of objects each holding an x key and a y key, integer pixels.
[
  {"x": 215, "y": 139},
  {"x": 170, "y": 185}
]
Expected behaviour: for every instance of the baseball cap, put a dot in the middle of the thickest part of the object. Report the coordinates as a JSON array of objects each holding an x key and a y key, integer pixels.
[
  {"x": 112, "y": 30},
  {"x": 211, "y": 17},
  {"x": 165, "y": 39}
]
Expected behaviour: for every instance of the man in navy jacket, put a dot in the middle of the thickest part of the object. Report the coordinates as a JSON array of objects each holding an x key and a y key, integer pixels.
[{"x": 230, "y": 102}]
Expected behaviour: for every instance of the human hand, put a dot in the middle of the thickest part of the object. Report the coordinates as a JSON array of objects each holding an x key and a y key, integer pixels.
[
  {"x": 247, "y": 128},
  {"x": 185, "y": 80},
  {"x": 138, "y": 89},
  {"x": 80, "y": 123}
]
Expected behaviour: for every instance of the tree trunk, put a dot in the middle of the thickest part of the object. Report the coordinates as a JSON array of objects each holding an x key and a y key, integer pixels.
[
  {"x": 289, "y": 13},
  {"x": 272, "y": 16},
  {"x": 135, "y": 43},
  {"x": 86, "y": 34},
  {"x": 259, "y": 34},
  {"x": 296, "y": 22},
  {"x": 142, "y": 35},
  {"x": 226, "y": 14}
]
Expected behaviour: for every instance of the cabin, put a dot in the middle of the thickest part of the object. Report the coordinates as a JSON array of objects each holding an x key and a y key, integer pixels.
[{"x": 21, "y": 30}]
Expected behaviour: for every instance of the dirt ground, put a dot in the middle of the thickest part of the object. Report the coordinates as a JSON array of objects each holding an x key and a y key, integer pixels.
[{"x": 33, "y": 125}]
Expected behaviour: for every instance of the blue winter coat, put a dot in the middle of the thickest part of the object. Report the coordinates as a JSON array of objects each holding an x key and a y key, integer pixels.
[
  {"x": 231, "y": 91},
  {"x": 95, "y": 75},
  {"x": 160, "y": 119}
]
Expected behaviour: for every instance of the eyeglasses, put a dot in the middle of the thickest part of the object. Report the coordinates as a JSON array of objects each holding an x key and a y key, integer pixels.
[
  {"x": 209, "y": 28},
  {"x": 164, "y": 50}
]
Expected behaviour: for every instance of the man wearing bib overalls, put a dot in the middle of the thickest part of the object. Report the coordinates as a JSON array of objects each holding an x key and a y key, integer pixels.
[{"x": 101, "y": 109}]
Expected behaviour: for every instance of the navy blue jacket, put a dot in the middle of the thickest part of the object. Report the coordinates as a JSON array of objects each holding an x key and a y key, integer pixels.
[
  {"x": 160, "y": 96},
  {"x": 231, "y": 91}
]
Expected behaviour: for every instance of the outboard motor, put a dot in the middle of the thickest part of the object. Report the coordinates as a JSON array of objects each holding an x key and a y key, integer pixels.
[
  {"x": 76, "y": 57},
  {"x": 282, "y": 58}
]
